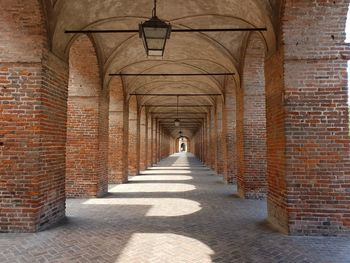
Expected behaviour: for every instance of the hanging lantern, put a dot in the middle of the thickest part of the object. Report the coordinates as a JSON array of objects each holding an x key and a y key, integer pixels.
[
  {"x": 177, "y": 123},
  {"x": 154, "y": 34}
]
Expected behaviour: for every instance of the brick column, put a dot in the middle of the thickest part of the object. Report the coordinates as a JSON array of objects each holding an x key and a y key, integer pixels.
[
  {"x": 149, "y": 138},
  {"x": 33, "y": 88},
  {"x": 229, "y": 120},
  {"x": 219, "y": 146},
  {"x": 212, "y": 138},
  {"x": 251, "y": 123},
  {"x": 87, "y": 124},
  {"x": 117, "y": 171},
  {"x": 133, "y": 133},
  {"x": 143, "y": 139},
  {"x": 154, "y": 140},
  {"x": 126, "y": 137},
  {"x": 158, "y": 141},
  {"x": 307, "y": 116},
  {"x": 138, "y": 141}
]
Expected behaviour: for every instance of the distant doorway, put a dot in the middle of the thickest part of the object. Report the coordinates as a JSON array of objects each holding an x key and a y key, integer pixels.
[{"x": 183, "y": 144}]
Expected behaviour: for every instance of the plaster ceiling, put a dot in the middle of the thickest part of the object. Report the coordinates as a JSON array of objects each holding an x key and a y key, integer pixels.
[{"x": 185, "y": 52}]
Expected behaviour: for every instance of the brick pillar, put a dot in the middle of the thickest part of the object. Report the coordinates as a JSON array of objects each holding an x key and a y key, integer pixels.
[
  {"x": 158, "y": 142},
  {"x": 149, "y": 138},
  {"x": 219, "y": 148},
  {"x": 200, "y": 144},
  {"x": 116, "y": 163},
  {"x": 206, "y": 142},
  {"x": 133, "y": 133},
  {"x": 229, "y": 120},
  {"x": 161, "y": 138},
  {"x": 251, "y": 123},
  {"x": 154, "y": 140},
  {"x": 143, "y": 139},
  {"x": 87, "y": 124},
  {"x": 33, "y": 88},
  {"x": 138, "y": 141},
  {"x": 212, "y": 138},
  {"x": 125, "y": 149},
  {"x": 307, "y": 116},
  {"x": 203, "y": 142}
]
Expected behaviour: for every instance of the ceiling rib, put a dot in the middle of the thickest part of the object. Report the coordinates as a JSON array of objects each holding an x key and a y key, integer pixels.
[
  {"x": 180, "y": 106},
  {"x": 186, "y": 30},
  {"x": 170, "y": 74},
  {"x": 175, "y": 95}
]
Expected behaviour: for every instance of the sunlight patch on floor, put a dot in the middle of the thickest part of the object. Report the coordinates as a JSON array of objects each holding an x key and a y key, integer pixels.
[
  {"x": 151, "y": 188},
  {"x": 168, "y": 207},
  {"x": 166, "y": 171},
  {"x": 175, "y": 168},
  {"x": 161, "y": 178},
  {"x": 164, "y": 248}
]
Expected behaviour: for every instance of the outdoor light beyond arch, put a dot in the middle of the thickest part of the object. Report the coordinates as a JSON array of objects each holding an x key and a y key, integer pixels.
[{"x": 154, "y": 34}]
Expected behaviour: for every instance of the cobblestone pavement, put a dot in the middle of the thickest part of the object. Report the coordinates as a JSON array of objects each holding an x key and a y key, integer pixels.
[{"x": 178, "y": 211}]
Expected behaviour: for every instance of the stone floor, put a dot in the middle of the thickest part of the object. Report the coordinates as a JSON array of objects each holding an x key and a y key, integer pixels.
[{"x": 178, "y": 211}]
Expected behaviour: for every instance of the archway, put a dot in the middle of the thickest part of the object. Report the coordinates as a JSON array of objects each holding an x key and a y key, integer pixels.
[
  {"x": 182, "y": 144},
  {"x": 87, "y": 123}
]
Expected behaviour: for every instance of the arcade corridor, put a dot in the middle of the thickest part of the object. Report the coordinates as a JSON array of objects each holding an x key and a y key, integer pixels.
[
  {"x": 177, "y": 211},
  {"x": 175, "y": 131}
]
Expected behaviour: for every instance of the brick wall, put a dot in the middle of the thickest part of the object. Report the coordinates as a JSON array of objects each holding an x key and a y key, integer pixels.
[
  {"x": 125, "y": 149},
  {"x": 316, "y": 117},
  {"x": 165, "y": 144},
  {"x": 276, "y": 196},
  {"x": 143, "y": 140},
  {"x": 117, "y": 171},
  {"x": 214, "y": 135},
  {"x": 133, "y": 165},
  {"x": 154, "y": 140},
  {"x": 251, "y": 123},
  {"x": 33, "y": 91},
  {"x": 149, "y": 139},
  {"x": 87, "y": 124},
  {"x": 205, "y": 141},
  {"x": 229, "y": 121},
  {"x": 307, "y": 121},
  {"x": 220, "y": 153}
]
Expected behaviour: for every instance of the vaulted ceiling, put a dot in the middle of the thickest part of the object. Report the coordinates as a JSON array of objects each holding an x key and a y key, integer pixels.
[{"x": 185, "y": 52}]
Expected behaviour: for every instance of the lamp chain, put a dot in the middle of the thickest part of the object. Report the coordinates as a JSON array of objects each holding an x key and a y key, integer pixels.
[
  {"x": 177, "y": 106},
  {"x": 154, "y": 12}
]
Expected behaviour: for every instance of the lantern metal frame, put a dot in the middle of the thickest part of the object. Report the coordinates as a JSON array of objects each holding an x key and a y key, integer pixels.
[{"x": 156, "y": 24}]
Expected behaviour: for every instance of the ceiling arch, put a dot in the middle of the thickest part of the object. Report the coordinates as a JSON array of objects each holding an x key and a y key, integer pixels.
[{"x": 210, "y": 52}]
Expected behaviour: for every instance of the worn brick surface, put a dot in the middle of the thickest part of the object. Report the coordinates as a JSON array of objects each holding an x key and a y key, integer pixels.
[
  {"x": 307, "y": 121},
  {"x": 87, "y": 124},
  {"x": 143, "y": 140},
  {"x": 229, "y": 119},
  {"x": 116, "y": 162},
  {"x": 33, "y": 92},
  {"x": 251, "y": 123},
  {"x": 133, "y": 136}
]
